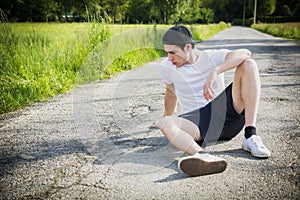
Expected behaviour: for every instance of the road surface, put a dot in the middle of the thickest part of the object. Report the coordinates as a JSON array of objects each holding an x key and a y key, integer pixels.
[{"x": 93, "y": 142}]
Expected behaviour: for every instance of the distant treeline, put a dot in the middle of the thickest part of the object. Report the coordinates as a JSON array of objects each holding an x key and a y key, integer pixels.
[{"x": 144, "y": 11}]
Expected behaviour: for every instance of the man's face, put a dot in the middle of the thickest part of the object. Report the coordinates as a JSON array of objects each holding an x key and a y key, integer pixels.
[{"x": 176, "y": 55}]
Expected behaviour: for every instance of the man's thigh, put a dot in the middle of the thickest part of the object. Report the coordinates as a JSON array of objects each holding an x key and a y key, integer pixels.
[{"x": 185, "y": 125}]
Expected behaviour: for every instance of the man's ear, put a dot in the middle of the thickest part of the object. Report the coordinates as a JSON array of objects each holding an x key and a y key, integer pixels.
[{"x": 188, "y": 47}]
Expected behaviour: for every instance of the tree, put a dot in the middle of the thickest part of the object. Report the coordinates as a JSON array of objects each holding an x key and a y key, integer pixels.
[
  {"x": 166, "y": 11},
  {"x": 50, "y": 11},
  {"x": 26, "y": 10},
  {"x": 190, "y": 11},
  {"x": 225, "y": 10},
  {"x": 89, "y": 10},
  {"x": 116, "y": 9},
  {"x": 145, "y": 11},
  {"x": 287, "y": 8},
  {"x": 139, "y": 11},
  {"x": 264, "y": 7},
  {"x": 206, "y": 16}
]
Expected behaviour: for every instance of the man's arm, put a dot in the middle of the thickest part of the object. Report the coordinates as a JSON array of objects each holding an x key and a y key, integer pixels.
[
  {"x": 170, "y": 100},
  {"x": 232, "y": 60}
]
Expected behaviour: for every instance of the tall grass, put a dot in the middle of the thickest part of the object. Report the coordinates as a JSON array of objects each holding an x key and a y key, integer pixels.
[
  {"x": 285, "y": 30},
  {"x": 41, "y": 60},
  {"x": 122, "y": 51},
  {"x": 203, "y": 32},
  {"x": 37, "y": 62}
]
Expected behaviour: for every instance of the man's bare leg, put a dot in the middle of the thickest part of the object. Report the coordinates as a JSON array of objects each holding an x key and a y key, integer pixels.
[
  {"x": 246, "y": 94},
  {"x": 181, "y": 133},
  {"x": 246, "y": 91}
]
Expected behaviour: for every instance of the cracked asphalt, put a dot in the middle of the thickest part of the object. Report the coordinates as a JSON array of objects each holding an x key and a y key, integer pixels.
[{"x": 93, "y": 142}]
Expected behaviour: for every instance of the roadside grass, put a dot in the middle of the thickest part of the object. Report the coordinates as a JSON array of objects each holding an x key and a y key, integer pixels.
[
  {"x": 41, "y": 60},
  {"x": 203, "y": 32},
  {"x": 285, "y": 30}
]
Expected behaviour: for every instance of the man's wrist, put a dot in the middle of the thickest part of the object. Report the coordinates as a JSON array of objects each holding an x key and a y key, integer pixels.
[{"x": 217, "y": 71}]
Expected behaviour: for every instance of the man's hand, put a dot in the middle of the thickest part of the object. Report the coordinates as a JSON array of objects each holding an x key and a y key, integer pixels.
[
  {"x": 159, "y": 124},
  {"x": 153, "y": 125},
  {"x": 208, "y": 92}
]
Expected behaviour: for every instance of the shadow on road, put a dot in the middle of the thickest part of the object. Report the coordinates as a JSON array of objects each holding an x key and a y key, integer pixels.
[{"x": 268, "y": 46}]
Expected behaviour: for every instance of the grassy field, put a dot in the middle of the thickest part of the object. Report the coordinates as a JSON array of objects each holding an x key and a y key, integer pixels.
[
  {"x": 41, "y": 60},
  {"x": 285, "y": 30}
]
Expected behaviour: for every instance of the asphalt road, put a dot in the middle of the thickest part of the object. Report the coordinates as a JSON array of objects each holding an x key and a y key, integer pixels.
[{"x": 93, "y": 142}]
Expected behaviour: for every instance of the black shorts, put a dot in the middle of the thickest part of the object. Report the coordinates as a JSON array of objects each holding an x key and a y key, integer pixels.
[{"x": 218, "y": 120}]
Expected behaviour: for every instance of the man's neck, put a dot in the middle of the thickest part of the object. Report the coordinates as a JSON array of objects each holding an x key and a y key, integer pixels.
[{"x": 195, "y": 53}]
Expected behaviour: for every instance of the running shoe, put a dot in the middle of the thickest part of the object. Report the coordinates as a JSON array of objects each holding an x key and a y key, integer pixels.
[
  {"x": 255, "y": 146},
  {"x": 201, "y": 164}
]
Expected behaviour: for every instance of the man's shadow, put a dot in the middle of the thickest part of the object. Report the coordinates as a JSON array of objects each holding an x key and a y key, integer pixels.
[
  {"x": 132, "y": 153},
  {"x": 139, "y": 155},
  {"x": 128, "y": 152}
]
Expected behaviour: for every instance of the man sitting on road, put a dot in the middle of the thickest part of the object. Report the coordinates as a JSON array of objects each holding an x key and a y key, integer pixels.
[{"x": 211, "y": 113}]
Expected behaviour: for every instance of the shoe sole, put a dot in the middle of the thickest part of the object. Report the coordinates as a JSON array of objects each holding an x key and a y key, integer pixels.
[
  {"x": 198, "y": 167},
  {"x": 253, "y": 154}
]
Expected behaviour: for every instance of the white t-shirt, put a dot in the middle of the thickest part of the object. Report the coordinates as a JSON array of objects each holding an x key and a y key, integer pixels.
[{"x": 189, "y": 79}]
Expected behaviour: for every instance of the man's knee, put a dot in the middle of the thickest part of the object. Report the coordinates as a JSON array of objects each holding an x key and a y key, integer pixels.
[{"x": 248, "y": 66}]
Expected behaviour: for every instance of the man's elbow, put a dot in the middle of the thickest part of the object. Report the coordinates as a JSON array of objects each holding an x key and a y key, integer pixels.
[{"x": 246, "y": 53}]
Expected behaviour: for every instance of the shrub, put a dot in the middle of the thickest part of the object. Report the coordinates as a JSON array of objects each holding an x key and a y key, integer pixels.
[{"x": 286, "y": 30}]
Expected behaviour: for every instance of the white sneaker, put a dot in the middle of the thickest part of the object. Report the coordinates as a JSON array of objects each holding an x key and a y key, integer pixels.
[
  {"x": 202, "y": 164},
  {"x": 255, "y": 146}
]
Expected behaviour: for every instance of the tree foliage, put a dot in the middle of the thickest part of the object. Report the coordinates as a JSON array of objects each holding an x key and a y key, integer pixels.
[
  {"x": 264, "y": 7},
  {"x": 287, "y": 8},
  {"x": 145, "y": 11}
]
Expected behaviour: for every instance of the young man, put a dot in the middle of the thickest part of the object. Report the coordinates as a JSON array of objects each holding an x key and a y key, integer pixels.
[{"x": 212, "y": 113}]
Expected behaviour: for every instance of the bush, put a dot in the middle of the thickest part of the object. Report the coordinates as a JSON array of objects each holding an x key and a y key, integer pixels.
[
  {"x": 239, "y": 22},
  {"x": 279, "y": 19},
  {"x": 286, "y": 30}
]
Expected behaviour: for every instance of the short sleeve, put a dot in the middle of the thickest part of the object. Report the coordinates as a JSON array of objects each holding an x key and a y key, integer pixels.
[
  {"x": 218, "y": 56},
  {"x": 166, "y": 71}
]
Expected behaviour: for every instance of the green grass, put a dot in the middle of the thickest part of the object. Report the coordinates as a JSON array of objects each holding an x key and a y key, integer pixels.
[
  {"x": 41, "y": 60},
  {"x": 285, "y": 30},
  {"x": 37, "y": 62},
  {"x": 203, "y": 32}
]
